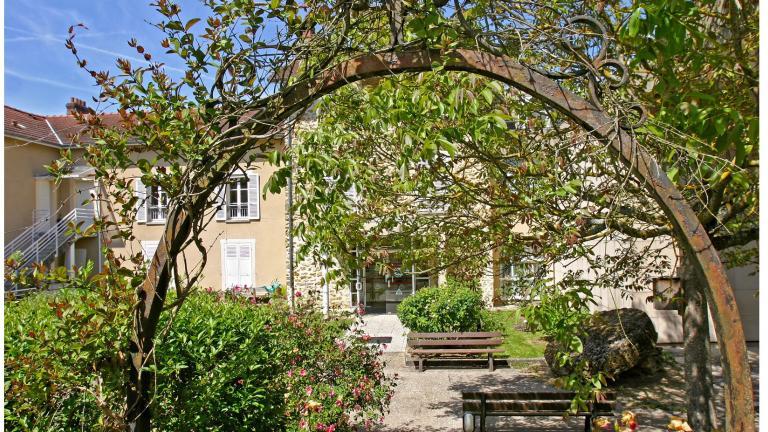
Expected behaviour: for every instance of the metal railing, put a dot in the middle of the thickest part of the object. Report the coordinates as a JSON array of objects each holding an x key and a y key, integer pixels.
[
  {"x": 238, "y": 211},
  {"x": 28, "y": 236},
  {"x": 157, "y": 213},
  {"x": 36, "y": 245}
]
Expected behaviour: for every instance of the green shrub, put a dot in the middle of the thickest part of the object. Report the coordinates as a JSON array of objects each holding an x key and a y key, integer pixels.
[
  {"x": 448, "y": 308},
  {"x": 224, "y": 364},
  {"x": 64, "y": 360}
]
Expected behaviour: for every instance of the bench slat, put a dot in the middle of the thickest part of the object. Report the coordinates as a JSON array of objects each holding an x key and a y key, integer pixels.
[
  {"x": 467, "y": 342},
  {"x": 529, "y": 407},
  {"x": 415, "y": 335},
  {"x": 543, "y": 395},
  {"x": 458, "y": 351}
]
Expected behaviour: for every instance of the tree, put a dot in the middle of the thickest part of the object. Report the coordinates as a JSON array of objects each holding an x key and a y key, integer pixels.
[
  {"x": 249, "y": 70},
  {"x": 701, "y": 62},
  {"x": 683, "y": 54}
]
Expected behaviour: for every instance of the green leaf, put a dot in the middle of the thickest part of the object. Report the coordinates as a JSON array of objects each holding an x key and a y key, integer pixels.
[
  {"x": 633, "y": 26},
  {"x": 190, "y": 23},
  {"x": 487, "y": 94},
  {"x": 672, "y": 173}
]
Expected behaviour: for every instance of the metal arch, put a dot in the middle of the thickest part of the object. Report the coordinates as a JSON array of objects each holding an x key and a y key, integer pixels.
[
  {"x": 740, "y": 415},
  {"x": 739, "y": 398}
]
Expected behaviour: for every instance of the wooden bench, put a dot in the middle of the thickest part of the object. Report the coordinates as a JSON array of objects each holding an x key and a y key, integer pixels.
[
  {"x": 544, "y": 404},
  {"x": 422, "y": 346}
]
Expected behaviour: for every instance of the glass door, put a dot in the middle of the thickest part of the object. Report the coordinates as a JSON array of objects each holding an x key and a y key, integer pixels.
[{"x": 383, "y": 292}]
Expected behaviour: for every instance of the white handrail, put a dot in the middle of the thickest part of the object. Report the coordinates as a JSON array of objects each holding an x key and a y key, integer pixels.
[
  {"x": 47, "y": 244},
  {"x": 26, "y": 237}
]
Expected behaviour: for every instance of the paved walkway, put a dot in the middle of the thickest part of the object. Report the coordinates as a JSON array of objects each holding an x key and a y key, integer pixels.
[
  {"x": 431, "y": 400},
  {"x": 386, "y": 329}
]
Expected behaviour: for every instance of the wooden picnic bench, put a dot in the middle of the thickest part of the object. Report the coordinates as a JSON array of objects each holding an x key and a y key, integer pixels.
[
  {"x": 422, "y": 346},
  {"x": 544, "y": 404}
]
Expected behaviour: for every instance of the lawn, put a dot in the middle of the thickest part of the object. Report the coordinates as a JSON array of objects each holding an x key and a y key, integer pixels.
[{"x": 517, "y": 343}]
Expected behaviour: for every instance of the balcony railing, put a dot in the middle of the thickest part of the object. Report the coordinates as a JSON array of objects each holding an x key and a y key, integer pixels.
[
  {"x": 238, "y": 211},
  {"x": 158, "y": 213}
]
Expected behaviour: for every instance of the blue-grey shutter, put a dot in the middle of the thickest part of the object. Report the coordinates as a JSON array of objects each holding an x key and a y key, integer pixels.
[
  {"x": 141, "y": 194},
  {"x": 221, "y": 203},
  {"x": 254, "y": 197}
]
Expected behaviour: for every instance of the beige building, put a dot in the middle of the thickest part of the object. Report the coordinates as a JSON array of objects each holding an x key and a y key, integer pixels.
[
  {"x": 37, "y": 210},
  {"x": 247, "y": 241}
]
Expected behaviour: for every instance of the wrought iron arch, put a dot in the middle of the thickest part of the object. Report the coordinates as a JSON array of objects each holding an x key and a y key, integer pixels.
[{"x": 740, "y": 415}]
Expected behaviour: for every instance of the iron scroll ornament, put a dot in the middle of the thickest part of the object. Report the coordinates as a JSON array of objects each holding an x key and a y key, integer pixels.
[{"x": 600, "y": 71}]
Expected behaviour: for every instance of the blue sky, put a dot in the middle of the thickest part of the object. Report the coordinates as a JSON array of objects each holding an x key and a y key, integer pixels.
[{"x": 41, "y": 75}]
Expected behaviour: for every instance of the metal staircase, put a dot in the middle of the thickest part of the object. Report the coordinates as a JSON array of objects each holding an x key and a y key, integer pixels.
[{"x": 41, "y": 241}]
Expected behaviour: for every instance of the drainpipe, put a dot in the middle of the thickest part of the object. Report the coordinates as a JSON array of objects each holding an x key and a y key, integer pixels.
[{"x": 291, "y": 286}]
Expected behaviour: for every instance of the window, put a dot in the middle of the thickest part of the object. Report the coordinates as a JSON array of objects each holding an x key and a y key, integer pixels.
[
  {"x": 238, "y": 199},
  {"x": 148, "y": 248},
  {"x": 516, "y": 278},
  {"x": 158, "y": 203},
  {"x": 237, "y": 263}
]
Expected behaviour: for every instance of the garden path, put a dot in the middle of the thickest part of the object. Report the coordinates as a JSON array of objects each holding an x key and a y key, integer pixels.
[
  {"x": 430, "y": 401},
  {"x": 386, "y": 329}
]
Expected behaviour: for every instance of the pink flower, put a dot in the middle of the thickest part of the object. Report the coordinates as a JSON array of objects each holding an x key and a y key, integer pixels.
[
  {"x": 297, "y": 294},
  {"x": 290, "y": 373},
  {"x": 331, "y": 428},
  {"x": 303, "y": 372},
  {"x": 339, "y": 403},
  {"x": 302, "y": 424},
  {"x": 308, "y": 390},
  {"x": 365, "y": 338}
]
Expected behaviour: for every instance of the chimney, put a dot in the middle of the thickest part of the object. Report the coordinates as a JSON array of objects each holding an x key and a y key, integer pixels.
[{"x": 76, "y": 105}]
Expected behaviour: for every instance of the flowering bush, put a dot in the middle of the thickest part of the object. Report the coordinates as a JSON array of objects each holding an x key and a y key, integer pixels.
[
  {"x": 333, "y": 382},
  {"x": 261, "y": 367},
  {"x": 225, "y": 364}
]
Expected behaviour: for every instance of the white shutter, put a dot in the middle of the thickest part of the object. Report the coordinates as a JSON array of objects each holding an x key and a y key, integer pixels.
[
  {"x": 254, "y": 198},
  {"x": 149, "y": 248},
  {"x": 230, "y": 265},
  {"x": 237, "y": 263},
  {"x": 221, "y": 203},
  {"x": 245, "y": 265},
  {"x": 141, "y": 194}
]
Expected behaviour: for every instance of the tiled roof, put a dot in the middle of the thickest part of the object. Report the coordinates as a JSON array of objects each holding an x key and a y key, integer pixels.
[{"x": 51, "y": 130}]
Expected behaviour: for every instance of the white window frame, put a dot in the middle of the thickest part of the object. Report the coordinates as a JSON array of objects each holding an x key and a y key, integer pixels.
[
  {"x": 242, "y": 185},
  {"x": 159, "y": 208},
  {"x": 251, "y": 243}
]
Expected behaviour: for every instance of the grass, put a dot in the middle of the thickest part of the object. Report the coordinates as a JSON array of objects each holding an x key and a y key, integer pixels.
[{"x": 517, "y": 343}]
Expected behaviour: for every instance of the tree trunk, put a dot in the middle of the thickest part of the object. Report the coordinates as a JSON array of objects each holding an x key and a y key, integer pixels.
[
  {"x": 138, "y": 415},
  {"x": 151, "y": 298},
  {"x": 698, "y": 372}
]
